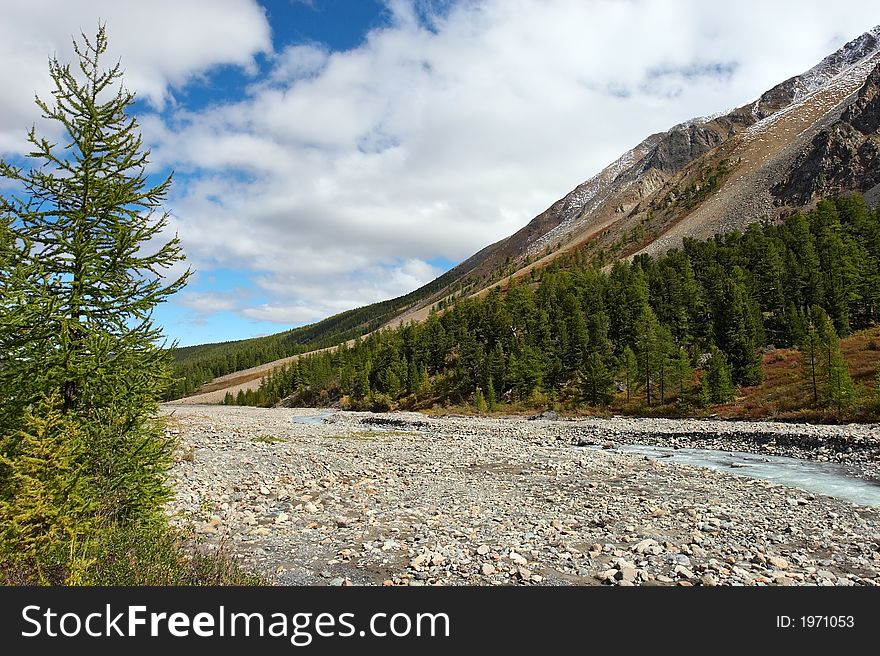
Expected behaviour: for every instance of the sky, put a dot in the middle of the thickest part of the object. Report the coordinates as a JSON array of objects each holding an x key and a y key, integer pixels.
[{"x": 328, "y": 154}]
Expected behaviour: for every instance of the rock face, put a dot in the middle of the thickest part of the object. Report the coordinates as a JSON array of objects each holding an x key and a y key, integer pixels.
[
  {"x": 807, "y": 136},
  {"x": 844, "y": 157}
]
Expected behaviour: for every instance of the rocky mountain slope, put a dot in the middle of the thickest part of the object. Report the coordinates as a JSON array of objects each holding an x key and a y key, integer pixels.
[{"x": 813, "y": 135}]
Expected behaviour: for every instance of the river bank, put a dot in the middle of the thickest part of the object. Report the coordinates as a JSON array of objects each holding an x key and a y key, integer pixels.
[{"x": 413, "y": 500}]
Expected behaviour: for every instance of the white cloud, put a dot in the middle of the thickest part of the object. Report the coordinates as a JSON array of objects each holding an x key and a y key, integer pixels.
[
  {"x": 162, "y": 44},
  {"x": 207, "y": 302},
  {"x": 339, "y": 175}
]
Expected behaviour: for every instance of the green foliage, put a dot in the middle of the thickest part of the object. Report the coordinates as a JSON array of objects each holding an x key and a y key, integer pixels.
[
  {"x": 824, "y": 369},
  {"x": 480, "y": 401},
  {"x": 717, "y": 380},
  {"x": 492, "y": 401},
  {"x": 47, "y": 506},
  {"x": 596, "y": 380},
  {"x": 629, "y": 371},
  {"x": 681, "y": 375},
  {"x": 877, "y": 388},
  {"x": 645, "y": 320},
  {"x": 82, "y": 224},
  {"x": 149, "y": 552},
  {"x": 83, "y": 459}
]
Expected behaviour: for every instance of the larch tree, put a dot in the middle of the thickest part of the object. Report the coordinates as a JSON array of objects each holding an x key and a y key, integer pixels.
[{"x": 86, "y": 261}]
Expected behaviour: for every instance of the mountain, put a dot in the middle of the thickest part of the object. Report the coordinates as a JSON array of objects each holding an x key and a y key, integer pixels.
[{"x": 811, "y": 136}]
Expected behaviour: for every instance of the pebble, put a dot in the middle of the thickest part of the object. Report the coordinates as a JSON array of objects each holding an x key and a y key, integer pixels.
[{"x": 422, "y": 501}]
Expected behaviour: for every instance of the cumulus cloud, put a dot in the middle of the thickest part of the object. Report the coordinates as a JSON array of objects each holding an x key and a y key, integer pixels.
[
  {"x": 162, "y": 43},
  {"x": 337, "y": 176}
]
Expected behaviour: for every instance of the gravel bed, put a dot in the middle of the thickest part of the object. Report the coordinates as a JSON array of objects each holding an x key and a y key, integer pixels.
[{"x": 406, "y": 499}]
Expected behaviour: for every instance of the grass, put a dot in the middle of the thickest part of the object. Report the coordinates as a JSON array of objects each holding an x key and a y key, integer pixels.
[
  {"x": 785, "y": 395},
  {"x": 144, "y": 553}
]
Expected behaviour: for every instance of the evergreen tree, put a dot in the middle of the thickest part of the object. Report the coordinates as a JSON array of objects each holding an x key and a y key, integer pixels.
[
  {"x": 666, "y": 361},
  {"x": 738, "y": 329},
  {"x": 47, "y": 507},
  {"x": 82, "y": 262},
  {"x": 839, "y": 388},
  {"x": 717, "y": 379},
  {"x": 841, "y": 391},
  {"x": 630, "y": 371},
  {"x": 596, "y": 380},
  {"x": 491, "y": 400},
  {"x": 646, "y": 348},
  {"x": 811, "y": 353},
  {"x": 480, "y": 401},
  {"x": 682, "y": 373}
]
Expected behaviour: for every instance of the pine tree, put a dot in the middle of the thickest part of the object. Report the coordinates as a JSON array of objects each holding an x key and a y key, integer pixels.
[
  {"x": 84, "y": 263},
  {"x": 646, "y": 348},
  {"x": 480, "y": 401},
  {"x": 738, "y": 329},
  {"x": 839, "y": 388},
  {"x": 666, "y": 361},
  {"x": 841, "y": 391},
  {"x": 630, "y": 371},
  {"x": 717, "y": 379},
  {"x": 811, "y": 348},
  {"x": 682, "y": 373},
  {"x": 491, "y": 400},
  {"x": 596, "y": 380}
]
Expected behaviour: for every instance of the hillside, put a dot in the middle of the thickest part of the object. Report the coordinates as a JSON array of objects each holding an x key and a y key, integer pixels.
[{"x": 807, "y": 138}]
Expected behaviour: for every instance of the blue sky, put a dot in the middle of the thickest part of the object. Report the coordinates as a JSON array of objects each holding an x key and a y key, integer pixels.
[{"x": 333, "y": 153}]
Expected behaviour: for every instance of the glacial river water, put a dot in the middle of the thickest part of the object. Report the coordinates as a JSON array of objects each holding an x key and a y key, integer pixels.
[{"x": 830, "y": 479}]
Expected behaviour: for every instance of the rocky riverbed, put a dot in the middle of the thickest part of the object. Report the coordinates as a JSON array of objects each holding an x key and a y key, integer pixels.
[{"x": 405, "y": 499}]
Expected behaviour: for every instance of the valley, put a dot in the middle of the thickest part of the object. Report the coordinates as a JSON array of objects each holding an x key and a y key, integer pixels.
[{"x": 406, "y": 499}]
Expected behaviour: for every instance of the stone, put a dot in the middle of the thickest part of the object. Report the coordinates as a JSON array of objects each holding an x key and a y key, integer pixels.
[
  {"x": 483, "y": 550},
  {"x": 778, "y": 562},
  {"x": 487, "y": 569},
  {"x": 682, "y": 571},
  {"x": 679, "y": 559},
  {"x": 517, "y": 559},
  {"x": 523, "y": 573},
  {"x": 647, "y": 546},
  {"x": 627, "y": 574},
  {"x": 418, "y": 561},
  {"x": 608, "y": 574},
  {"x": 281, "y": 518}
]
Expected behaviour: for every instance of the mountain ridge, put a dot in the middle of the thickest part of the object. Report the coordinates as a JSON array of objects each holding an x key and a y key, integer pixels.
[{"x": 809, "y": 136}]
